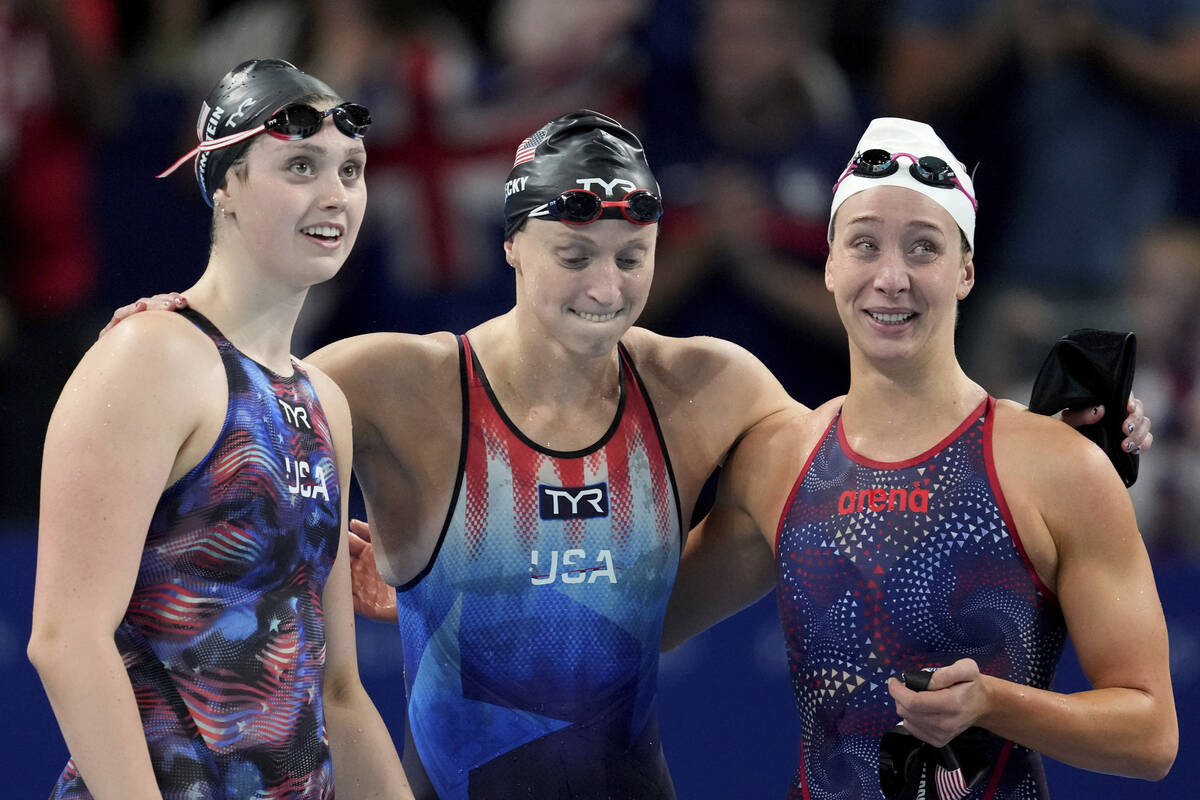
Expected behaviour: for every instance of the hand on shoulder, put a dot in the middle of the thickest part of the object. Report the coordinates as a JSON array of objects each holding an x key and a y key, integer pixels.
[
  {"x": 1049, "y": 451},
  {"x": 155, "y": 348},
  {"x": 1064, "y": 494}
]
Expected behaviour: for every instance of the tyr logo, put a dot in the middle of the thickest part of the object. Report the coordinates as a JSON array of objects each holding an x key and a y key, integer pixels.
[
  {"x": 573, "y": 502},
  {"x": 241, "y": 112},
  {"x": 608, "y": 186},
  {"x": 296, "y": 416}
]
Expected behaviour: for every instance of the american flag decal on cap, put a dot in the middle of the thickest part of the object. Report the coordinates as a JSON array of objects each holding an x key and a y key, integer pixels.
[{"x": 525, "y": 150}]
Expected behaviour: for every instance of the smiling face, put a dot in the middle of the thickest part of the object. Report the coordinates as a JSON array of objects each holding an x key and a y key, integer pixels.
[
  {"x": 897, "y": 270},
  {"x": 295, "y": 207},
  {"x": 582, "y": 286}
]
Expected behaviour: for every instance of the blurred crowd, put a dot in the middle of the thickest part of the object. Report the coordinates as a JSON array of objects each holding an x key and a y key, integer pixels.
[{"x": 1079, "y": 118}]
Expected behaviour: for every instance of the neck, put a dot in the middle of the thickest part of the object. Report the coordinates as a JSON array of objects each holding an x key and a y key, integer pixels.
[
  {"x": 523, "y": 356},
  {"x": 893, "y": 414},
  {"x": 256, "y": 315},
  {"x": 561, "y": 400},
  {"x": 536, "y": 366}
]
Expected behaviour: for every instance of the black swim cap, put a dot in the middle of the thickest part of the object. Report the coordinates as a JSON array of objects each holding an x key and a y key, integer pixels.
[
  {"x": 580, "y": 150},
  {"x": 243, "y": 99}
]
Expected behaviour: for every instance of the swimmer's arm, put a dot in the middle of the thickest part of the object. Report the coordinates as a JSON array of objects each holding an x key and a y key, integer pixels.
[
  {"x": 1126, "y": 723},
  {"x": 404, "y": 396},
  {"x": 726, "y": 566},
  {"x": 727, "y": 562},
  {"x": 110, "y": 447},
  {"x": 364, "y": 756}
]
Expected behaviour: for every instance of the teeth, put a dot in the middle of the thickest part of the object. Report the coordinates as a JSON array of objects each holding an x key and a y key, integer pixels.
[
  {"x": 597, "y": 317},
  {"x": 327, "y": 231},
  {"x": 891, "y": 319}
]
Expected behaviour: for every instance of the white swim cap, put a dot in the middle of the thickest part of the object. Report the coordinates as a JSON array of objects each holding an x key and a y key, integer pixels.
[{"x": 906, "y": 146}]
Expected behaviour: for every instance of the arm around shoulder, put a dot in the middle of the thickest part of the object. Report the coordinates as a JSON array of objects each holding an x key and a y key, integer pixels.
[
  {"x": 374, "y": 369},
  {"x": 366, "y": 765},
  {"x": 728, "y": 561}
]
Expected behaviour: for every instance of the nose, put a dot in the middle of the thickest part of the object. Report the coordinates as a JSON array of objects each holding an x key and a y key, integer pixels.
[
  {"x": 892, "y": 277},
  {"x": 604, "y": 283},
  {"x": 333, "y": 192}
]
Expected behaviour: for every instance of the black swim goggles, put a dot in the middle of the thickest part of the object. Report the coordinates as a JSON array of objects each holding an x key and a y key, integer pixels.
[
  {"x": 291, "y": 123},
  {"x": 910, "y": 768},
  {"x": 582, "y": 206},
  {"x": 929, "y": 170}
]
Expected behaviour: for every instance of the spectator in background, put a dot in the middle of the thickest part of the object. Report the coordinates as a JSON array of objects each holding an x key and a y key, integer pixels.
[
  {"x": 449, "y": 114},
  {"x": 55, "y": 59},
  {"x": 745, "y": 133},
  {"x": 1088, "y": 99},
  {"x": 1163, "y": 291}
]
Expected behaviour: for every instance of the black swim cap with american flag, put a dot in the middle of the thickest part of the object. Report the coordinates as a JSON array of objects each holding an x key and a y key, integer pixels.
[{"x": 580, "y": 150}]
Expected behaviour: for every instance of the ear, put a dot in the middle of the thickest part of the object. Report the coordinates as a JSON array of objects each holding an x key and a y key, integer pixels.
[
  {"x": 828, "y": 275},
  {"x": 511, "y": 255},
  {"x": 966, "y": 278},
  {"x": 222, "y": 198}
]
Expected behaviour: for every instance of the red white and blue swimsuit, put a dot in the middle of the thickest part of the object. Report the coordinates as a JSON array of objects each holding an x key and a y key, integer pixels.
[
  {"x": 887, "y": 566},
  {"x": 531, "y": 638},
  {"x": 224, "y": 636}
]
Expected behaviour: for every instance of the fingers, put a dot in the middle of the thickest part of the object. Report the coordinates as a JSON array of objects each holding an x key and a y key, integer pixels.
[
  {"x": 1137, "y": 426},
  {"x": 942, "y": 711},
  {"x": 120, "y": 314},
  {"x": 167, "y": 301},
  {"x": 373, "y": 597},
  {"x": 1078, "y": 417},
  {"x": 360, "y": 530},
  {"x": 965, "y": 669}
]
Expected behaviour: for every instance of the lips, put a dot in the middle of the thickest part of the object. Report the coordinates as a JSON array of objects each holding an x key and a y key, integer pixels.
[
  {"x": 325, "y": 233},
  {"x": 891, "y": 317},
  {"x": 596, "y": 317}
]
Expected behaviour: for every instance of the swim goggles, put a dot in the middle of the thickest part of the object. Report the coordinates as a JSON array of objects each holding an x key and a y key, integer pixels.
[
  {"x": 291, "y": 122},
  {"x": 581, "y": 206},
  {"x": 910, "y": 768},
  {"x": 929, "y": 170}
]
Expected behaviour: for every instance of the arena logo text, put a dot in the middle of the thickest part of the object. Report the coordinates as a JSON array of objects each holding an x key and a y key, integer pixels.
[{"x": 884, "y": 499}]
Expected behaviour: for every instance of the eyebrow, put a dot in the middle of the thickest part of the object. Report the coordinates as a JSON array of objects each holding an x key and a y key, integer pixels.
[
  {"x": 355, "y": 149},
  {"x": 573, "y": 235},
  {"x": 869, "y": 218}
]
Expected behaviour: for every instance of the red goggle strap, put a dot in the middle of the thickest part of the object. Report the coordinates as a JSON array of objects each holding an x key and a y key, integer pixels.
[{"x": 212, "y": 144}]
